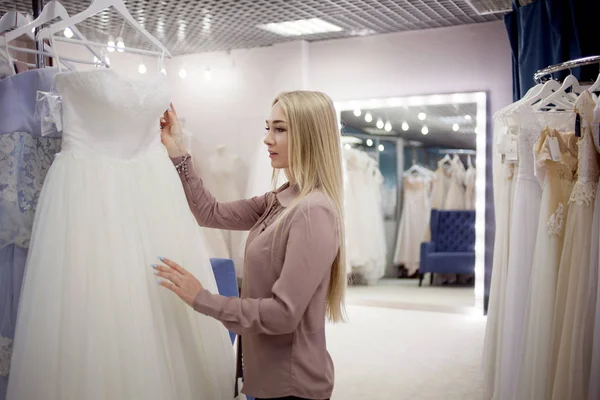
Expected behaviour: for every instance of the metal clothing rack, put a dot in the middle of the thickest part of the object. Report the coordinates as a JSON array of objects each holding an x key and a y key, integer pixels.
[
  {"x": 458, "y": 151},
  {"x": 541, "y": 75}
]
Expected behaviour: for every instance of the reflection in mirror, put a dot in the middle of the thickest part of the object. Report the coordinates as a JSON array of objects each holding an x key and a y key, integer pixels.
[{"x": 415, "y": 200}]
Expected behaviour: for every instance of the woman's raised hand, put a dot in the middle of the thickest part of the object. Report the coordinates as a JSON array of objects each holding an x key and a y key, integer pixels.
[{"x": 171, "y": 134}]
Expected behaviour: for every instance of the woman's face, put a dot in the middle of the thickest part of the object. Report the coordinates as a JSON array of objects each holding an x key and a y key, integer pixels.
[{"x": 277, "y": 138}]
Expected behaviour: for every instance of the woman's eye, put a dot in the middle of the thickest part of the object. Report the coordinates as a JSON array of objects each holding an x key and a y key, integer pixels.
[
  {"x": 267, "y": 129},
  {"x": 280, "y": 130}
]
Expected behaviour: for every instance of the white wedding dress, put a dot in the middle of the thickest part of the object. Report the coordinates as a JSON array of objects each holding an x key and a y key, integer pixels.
[{"x": 93, "y": 323}]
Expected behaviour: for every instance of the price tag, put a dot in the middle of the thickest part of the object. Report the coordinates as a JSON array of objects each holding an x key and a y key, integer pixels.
[
  {"x": 512, "y": 151},
  {"x": 554, "y": 148}
]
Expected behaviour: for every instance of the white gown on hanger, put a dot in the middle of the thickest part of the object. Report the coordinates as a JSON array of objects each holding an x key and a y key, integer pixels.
[
  {"x": 594, "y": 311},
  {"x": 523, "y": 226},
  {"x": 93, "y": 323}
]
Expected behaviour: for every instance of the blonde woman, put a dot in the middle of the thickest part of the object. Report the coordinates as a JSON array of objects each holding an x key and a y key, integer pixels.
[{"x": 294, "y": 276}]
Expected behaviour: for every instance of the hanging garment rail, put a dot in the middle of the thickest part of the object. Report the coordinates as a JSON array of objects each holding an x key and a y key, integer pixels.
[
  {"x": 457, "y": 151},
  {"x": 580, "y": 62}
]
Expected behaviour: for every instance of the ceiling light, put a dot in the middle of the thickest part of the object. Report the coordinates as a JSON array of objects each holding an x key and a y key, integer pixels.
[
  {"x": 300, "y": 27},
  {"x": 68, "y": 32},
  {"x": 388, "y": 126},
  {"x": 120, "y": 45},
  {"x": 107, "y": 60},
  {"x": 142, "y": 68},
  {"x": 182, "y": 73},
  {"x": 111, "y": 44},
  {"x": 424, "y": 130},
  {"x": 348, "y": 146},
  {"x": 368, "y": 117},
  {"x": 405, "y": 126},
  {"x": 207, "y": 74},
  {"x": 369, "y": 142},
  {"x": 455, "y": 127},
  {"x": 422, "y": 116},
  {"x": 381, "y": 147},
  {"x": 163, "y": 71},
  {"x": 468, "y": 117},
  {"x": 357, "y": 112},
  {"x": 380, "y": 124}
]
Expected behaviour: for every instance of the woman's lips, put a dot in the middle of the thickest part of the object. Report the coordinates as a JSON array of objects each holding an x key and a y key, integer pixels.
[{"x": 271, "y": 154}]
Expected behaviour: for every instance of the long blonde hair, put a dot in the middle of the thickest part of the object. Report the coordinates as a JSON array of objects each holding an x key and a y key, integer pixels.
[{"x": 315, "y": 162}]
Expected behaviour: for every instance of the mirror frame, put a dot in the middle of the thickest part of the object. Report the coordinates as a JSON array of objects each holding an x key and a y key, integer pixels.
[{"x": 480, "y": 99}]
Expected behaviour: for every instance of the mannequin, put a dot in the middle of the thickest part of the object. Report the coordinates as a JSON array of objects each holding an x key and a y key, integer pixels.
[{"x": 215, "y": 240}]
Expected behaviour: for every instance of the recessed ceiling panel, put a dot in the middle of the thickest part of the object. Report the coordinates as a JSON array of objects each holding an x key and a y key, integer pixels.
[{"x": 199, "y": 26}]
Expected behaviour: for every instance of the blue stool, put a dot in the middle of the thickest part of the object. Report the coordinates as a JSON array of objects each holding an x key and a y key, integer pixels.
[{"x": 227, "y": 284}]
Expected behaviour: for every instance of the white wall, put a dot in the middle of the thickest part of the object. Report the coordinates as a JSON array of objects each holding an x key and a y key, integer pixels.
[{"x": 231, "y": 108}]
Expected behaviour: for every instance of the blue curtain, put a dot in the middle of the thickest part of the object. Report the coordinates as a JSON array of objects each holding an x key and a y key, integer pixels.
[{"x": 548, "y": 32}]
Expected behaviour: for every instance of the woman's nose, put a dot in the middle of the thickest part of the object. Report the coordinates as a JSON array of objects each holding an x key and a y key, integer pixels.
[{"x": 268, "y": 140}]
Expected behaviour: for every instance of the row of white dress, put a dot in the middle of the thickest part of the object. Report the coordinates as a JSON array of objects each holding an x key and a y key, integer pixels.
[
  {"x": 451, "y": 187},
  {"x": 543, "y": 332},
  {"x": 366, "y": 248}
]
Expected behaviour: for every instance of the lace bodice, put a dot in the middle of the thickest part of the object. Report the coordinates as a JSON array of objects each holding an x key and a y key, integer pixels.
[
  {"x": 531, "y": 124},
  {"x": 588, "y": 169},
  {"x": 111, "y": 115}
]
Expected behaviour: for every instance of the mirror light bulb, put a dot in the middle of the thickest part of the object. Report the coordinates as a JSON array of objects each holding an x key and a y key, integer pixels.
[
  {"x": 381, "y": 147},
  {"x": 380, "y": 124},
  {"x": 424, "y": 130},
  {"x": 182, "y": 73},
  {"x": 455, "y": 127},
  {"x": 368, "y": 117},
  {"x": 111, "y": 44},
  {"x": 357, "y": 112},
  {"x": 369, "y": 142},
  {"x": 142, "y": 69},
  {"x": 388, "y": 126},
  {"x": 405, "y": 126},
  {"x": 68, "y": 33},
  {"x": 208, "y": 74},
  {"x": 163, "y": 71},
  {"x": 468, "y": 117},
  {"x": 120, "y": 45},
  {"x": 422, "y": 116}
]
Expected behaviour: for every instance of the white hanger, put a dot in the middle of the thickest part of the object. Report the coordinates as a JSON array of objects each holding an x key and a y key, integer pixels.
[
  {"x": 418, "y": 169},
  {"x": 14, "y": 19},
  {"x": 96, "y": 7},
  {"x": 51, "y": 11},
  {"x": 446, "y": 159},
  {"x": 595, "y": 86},
  {"x": 469, "y": 161},
  {"x": 559, "y": 97}
]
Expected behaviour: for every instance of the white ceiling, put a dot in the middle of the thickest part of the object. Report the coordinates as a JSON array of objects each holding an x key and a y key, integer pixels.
[{"x": 192, "y": 26}]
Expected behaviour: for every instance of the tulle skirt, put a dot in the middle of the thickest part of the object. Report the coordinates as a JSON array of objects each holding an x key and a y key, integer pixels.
[
  {"x": 93, "y": 323},
  {"x": 523, "y": 232}
]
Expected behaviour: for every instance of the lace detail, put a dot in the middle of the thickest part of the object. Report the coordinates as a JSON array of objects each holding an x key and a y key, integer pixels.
[
  {"x": 24, "y": 162},
  {"x": 555, "y": 221},
  {"x": 584, "y": 193},
  {"x": 6, "y": 346}
]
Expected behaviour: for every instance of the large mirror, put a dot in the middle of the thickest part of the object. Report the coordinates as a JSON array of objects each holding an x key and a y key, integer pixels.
[{"x": 415, "y": 200}]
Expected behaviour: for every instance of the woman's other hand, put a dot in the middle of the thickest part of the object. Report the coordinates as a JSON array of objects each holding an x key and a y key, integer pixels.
[
  {"x": 178, "y": 280},
  {"x": 171, "y": 133}
]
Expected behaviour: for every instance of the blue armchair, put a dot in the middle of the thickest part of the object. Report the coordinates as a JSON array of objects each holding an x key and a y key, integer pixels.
[{"x": 452, "y": 246}]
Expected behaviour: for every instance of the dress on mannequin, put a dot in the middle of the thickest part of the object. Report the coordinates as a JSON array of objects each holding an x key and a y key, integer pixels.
[
  {"x": 215, "y": 238},
  {"x": 455, "y": 199},
  {"x": 224, "y": 168},
  {"x": 413, "y": 222},
  {"x": 92, "y": 322}
]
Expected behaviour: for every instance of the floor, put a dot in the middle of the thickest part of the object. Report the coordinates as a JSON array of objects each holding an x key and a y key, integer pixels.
[
  {"x": 406, "y": 294},
  {"x": 384, "y": 353}
]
